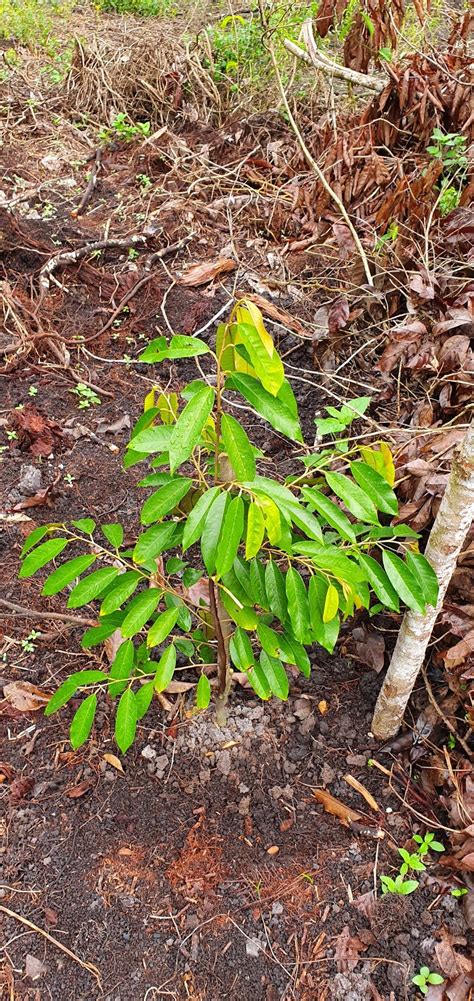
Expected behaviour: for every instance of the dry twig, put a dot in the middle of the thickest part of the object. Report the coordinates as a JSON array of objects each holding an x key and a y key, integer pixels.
[{"x": 40, "y": 931}]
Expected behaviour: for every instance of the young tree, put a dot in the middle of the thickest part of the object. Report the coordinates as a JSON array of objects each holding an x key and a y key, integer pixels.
[{"x": 447, "y": 536}]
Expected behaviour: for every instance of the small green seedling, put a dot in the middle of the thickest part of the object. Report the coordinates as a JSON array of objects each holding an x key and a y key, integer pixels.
[
  {"x": 410, "y": 861},
  {"x": 87, "y": 396},
  {"x": 425, "y": 977},
  {"x": 459, "y": 891},
  {"x": 11, "y": 435},
  {"x": 28, "y": 645},
  {"x": 133, "y": 254},
  {"x": 145, "y": 182},
  {"x": 428, "y": 843},
  {"x": 400, "y": 886},
  {"x": 33, "y": 391},
  {"x": 450, "y": 148},
  {"x": 68, "y": 479},
  {"x": 124, "y": 130}
]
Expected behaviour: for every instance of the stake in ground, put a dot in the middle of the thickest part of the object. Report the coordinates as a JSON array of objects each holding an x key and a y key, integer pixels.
[{"x": 256, "y": 570}]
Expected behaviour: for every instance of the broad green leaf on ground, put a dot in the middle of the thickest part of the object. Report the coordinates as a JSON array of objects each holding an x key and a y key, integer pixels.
[
  {"x": 152, "y": 542},
  {"x": 330, "y": 512},
  {"x": 212, "y": 530},
  {"x": 162, "y": 627},
  {"x": 165, "y": 669},
  {"x": 238, "y": 448},
  {"x": 43, "y": 554},
  {"x": 203, "y": 692},
  {"x": 126, "y": 721},
  {"x": 114, "y": 534},
  {"x": 270, "y": 408},
  {"x": 405, "y": 583},
  {"x": 352, "y": 495},
  {"x": 124, "y": 586},
  {"x": 241, "y": 650},
  {"x": 375, "y": 486},
  {"x": 82, "y": 721},
  {"x": 298, "y": 608},
  {"x": 121, "y": 668},
  {"x": 197, "y": 517},
  {"x": 275, "y": 675},
  {"x": 379, "y": 582},
  {"x": 189, "y": 426},
  {"x": 91, "y": 587},
  {"x": 143, "y": 607},
  {"x": 425, "y": 575},
  {"x": 275, "y": 590},
  {"x": 232, "y": 529},
  {"x": 66, "y": 573},
  {"x": 164, "y": 500}
]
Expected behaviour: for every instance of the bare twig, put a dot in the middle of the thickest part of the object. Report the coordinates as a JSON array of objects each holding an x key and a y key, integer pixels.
[
  {"x": 73, "y": 256},
  {"x": 31, "y": 613},
  {"x": 442, "y": 715},
  {"x": 91, "y": 185},
  {"x": 320, "y": 61},
  {"x": 40, "y": 931}
]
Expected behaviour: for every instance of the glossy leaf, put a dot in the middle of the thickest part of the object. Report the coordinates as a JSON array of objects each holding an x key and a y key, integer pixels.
[
  {"x": 35, "y": 536},
  {"x": 188, "y": 428},
  {"x": 179, "y": 347},
  {"x": 66, "y": 573},
  {"x": 271, "y": 518},
  {"x": 86, "y": 525},
  {"x": 164, "y": 500},
  {"x": 152, "y": 542},
  {"x": 61, "y": 696},
  {"x": 330, "y": 512},
  {"x": 203, "y": 692},
  {"x": 113, "y": 534},
  {"x": 197, "y": 517},
  {"x": 258, "y": 681},
  {"x": 298, "y": 608},
  {"x": 325, "y": 633},
  {"x": 355, "y": 499},
  {"x": 379, "y": 582},
  {"x": 298, "y": 651},
  {"x": 143, "y": 607},
  {"x": 270, "y": 408},
  {"x": 43, "y": 554},
  {"x": 81, "y": 724},
  {"x": 375, "y": 486},
  {"x": 404, "y": 582},
  {"x": 231, "y": 534},
  {"x": 126, "y": 721},
  {"x": 165, "y": 669},
  {"x": 123, "y": 588},
  {"x": 162, "y": 627},
  {"x": 245, "y": 616},
  {"x": 155, "y": 439},
  {"x": 240, "y": 650},
  {"x": 257, "y": 583},
  {"x": 270, "y": 641},
  {"x": 143, "y": 699},
  {"x": 275, "y": 675},
  {"x": 425, "y": 575},
  {"x": 121, "y": 668},
  {"x": 275, "y": 589},
  {"x": 97, "y": 634},
  {"x": 238, "y": 448},
  {"x": 212, "y": 530},
  {"x": 331, "y": 603},
  {"x": 263, "y": 356},
  {"x": 91, "y": 587}
]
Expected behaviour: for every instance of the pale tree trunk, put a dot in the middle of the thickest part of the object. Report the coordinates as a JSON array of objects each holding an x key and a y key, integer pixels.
[{"x": 444, "y": 545}]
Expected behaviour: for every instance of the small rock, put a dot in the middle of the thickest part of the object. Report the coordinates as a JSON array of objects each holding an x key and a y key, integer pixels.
[
  {"x": 327, "y": 774},
  {"x": 276, "y": 792},
  {"x": 34, "y": 968},
  {"x": 30, "y": 480},
  {"x": 253, "y": 947},
  {"x": 161, "y": 764},
  {"x": 277, "y": 908},
  {"x": 244, "y": 806},
  {"x": 148, "y": 753},
  {"x": 223, "y": 762}
]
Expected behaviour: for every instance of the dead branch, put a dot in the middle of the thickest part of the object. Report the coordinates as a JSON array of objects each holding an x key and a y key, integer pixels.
[
  {"x": 314, "y": 57},
  {"x": 91, "y": 185},
  {"x": 67, "y": 257},
  {"x": 21, "y": 612}
]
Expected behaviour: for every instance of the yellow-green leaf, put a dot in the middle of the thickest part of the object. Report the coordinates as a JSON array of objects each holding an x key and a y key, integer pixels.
[
  {"x": 331, "y": 603},
  {"x": 255, "y": 531}
]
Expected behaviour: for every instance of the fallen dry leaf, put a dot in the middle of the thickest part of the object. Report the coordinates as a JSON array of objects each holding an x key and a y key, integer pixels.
[
  {"x": 7, "y": 772},
  {"x": 334, "y": 806},
  {"x": 51, "y": 916},
  {"x": 452, "y": 963},
  {"x": 273, "y": 850},
  {"x": 347, "y": 950},
  {"x": 125, "y": 851},
  {"x": 206, "y": 271},
  {"x": 355, "y": 784},
  {"x": 25, "y": 697},
  {"x": 338, "y": 315},
  {"x": 112, "y": 759},
  {"x": 20, "y": 788},
  {"x": 112, "y": 644},
  {"x": 275, "y": 313},
  {"x": 366, "y": 904},
  {"x": 75, "y": 792},
  {"x": 323, "y": 707}
]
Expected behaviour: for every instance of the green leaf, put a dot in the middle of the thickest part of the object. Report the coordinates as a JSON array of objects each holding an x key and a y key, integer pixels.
[
  {"x": 61, "y": 696},
  {"x": 203, "y": 692},
  {"x": 240, "y": 650},
  {"x": 43, "y": 554},
  {"x": 121, "y": 668},
  {"x": 408, "y": 886},
  {"x": 245, "y": 617},
  {"x": 126, "y": 721},
  {"x": 355, "y": 499},
  {"x": 81, "y": 724},
  {"x": 268, "y": 366},
  {"x": 189, "y": 426},
  {"x": 197, "y": 517},
  {"x": 288, "y": 505},
  {"x": 114, "y": 534},
  {"x": 405, "y": 584},
  {"x": 275, "y": 589},
  {"x": 241, "y": 572},
  {"x": 257, "y": 583},
  {"x": 379, "y": 582},
  {"x": 435, "y": 978},
  {"x": 275, "y": 675},
  {"x": 425, "y": 575},
  {"x": 165, "y": 669},
  {"x": 179, "y": 347},
  {"x": 329, "y": 558},
  {"x": 162, "y": 627},
  {"x": 156, "y": 439},
  {"x": 91, "y": 587},
  {"x": 87, "y": 677},
  {"x": 300, "y": 657},
  {"x": 270, "y": 641},
  {"x": 238, "y": 448},
  {"x": 125, "y": 585},
  {"x": 232, "y": 528},
  {"x": 330, "y": 512},
  {"x": 66, "y": 573},
  {"x": 143, "y": 607},
  {"x": 270, "y": 408},
  {"x": 331, "y": 604},
  {"x": 164, "y": 500},
  {"x": 325, "y": 633},
  {"x": 143, "y": 697},
  {"x": 375, "y": 486},
  {"x": 212, "y": 530},
  {"x": 97, "y": 634},
  {"x": 298, "y": 608},
  {"x": 152, "y": 542},
  {"x": 35, "y": 536},
  {"x": 258, "y": 682},
  {"x": 86, "y": 525}
]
